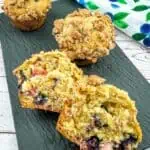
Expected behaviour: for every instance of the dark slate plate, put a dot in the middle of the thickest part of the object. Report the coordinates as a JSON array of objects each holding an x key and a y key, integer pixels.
[{"x": 36, "y": 129}]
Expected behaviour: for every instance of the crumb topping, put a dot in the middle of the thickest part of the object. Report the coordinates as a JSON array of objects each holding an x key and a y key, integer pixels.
[
  {"x": 85, "y": 35},
  {"x": 26, "y": 10}
]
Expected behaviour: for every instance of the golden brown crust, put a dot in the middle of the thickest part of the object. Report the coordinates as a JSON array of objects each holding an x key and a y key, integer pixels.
[
  {"x": 95, "y": 80},
  {"x": 29, "y": 25},
  {"x": 27, "y": 15},
  {"x": 60, "y": 121},
  {"x": 85, "y": 36}
]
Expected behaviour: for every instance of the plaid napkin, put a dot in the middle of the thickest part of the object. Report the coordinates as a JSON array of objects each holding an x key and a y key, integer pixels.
[{"x": 130, "y": 16}]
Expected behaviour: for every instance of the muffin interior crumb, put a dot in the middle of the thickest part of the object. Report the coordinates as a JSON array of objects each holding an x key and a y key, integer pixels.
[
  {"x": 107, "y": 115},
  {"x": 47, "y": 79}
]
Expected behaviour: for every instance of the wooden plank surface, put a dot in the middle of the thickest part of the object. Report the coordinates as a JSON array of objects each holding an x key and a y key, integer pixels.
[
  {"x": 8, "y": 142},
  {"x": 136, "y": 53}
]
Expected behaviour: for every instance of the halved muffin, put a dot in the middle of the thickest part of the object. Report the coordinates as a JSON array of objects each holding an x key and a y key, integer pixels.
[
  {"x": 47, "y": 80},
  {"x": 85, "y": 36},
  {"x": 27, "y": 15},
  {"x": 105, "y": 119}
]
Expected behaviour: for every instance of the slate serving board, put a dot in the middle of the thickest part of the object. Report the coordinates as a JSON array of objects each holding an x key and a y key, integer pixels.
[{"x": 36, "y": 129}]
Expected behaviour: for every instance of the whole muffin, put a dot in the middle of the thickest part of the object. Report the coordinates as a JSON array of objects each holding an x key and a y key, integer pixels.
[
  {"x": 47, "y": 80},
  {"x": 27, "y": 15},
  {"x": 85, "y": 36},
  {"x": 105, "y": 120}
]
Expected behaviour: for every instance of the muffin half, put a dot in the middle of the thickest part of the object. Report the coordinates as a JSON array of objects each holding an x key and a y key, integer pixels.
[
  {"x": 84, "y": 36},
  {"x": 27, "y": 15},
  {"x": 47, "y": 80},
  {"x": 105, "y": 119}
]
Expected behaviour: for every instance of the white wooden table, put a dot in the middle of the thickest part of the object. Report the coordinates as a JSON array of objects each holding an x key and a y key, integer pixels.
[{"x": 139, "y": 55}]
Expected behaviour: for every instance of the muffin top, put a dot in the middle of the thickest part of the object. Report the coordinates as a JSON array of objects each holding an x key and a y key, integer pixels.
[
  {"x": 26, "y": 10},
  {"x": 106, "y": 115},
  {"x": 84, "y": 35}
]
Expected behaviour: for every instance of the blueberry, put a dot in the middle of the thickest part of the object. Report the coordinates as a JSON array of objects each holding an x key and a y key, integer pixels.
[
  {"x": 115, "y": 146},
  {"x": 89, "y": 128},
  {"x": 40, "y": 99},
  {"x": 105, "y": 125},
  {"x": 56, "y": 81},
  {"x": 127, "y": 141},
  {"x": 97, "y": 122},
  {"x": 93, "y": 143},
  {"x": 104, "y": 107},
  {"x": 19, "y": 86},
  {"x": 131, "y": 139},
  {"x": 23, "y": 78},
  {"x": 22, "y": 75}
]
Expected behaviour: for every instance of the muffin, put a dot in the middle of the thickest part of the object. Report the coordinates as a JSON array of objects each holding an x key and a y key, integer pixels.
[
  {"x": 27, "y": 15},
  {"x": 105, "y": 119},
  {"x": 47, "y": 80},
  {"x": 85, "y": 36}
]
